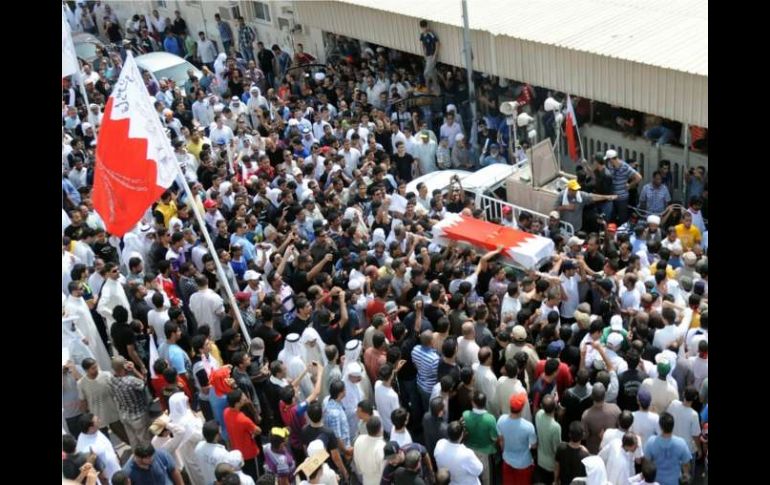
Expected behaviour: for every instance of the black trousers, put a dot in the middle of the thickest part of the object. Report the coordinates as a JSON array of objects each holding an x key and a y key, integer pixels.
[{"x": 250, "y": 468}]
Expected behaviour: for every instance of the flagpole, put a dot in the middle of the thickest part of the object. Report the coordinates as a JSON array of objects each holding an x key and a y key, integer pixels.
[{"x": 220, "y": 271}]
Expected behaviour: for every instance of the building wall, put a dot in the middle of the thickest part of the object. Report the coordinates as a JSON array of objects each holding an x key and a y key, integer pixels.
[
  {"x": 671, "y": 94},
  {"x": 199, "y": 16}
]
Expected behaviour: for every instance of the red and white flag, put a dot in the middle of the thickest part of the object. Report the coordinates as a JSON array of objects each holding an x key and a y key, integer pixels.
[
  {"x": 525, "y": 249},
  {"x": 69, "y": 59},
  {"x": 571, "y": 130},
  {"x": 135, "y": 163}
]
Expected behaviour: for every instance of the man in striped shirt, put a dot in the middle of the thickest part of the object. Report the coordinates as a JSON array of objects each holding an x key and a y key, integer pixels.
[
  {"x": 655, "y": 196},
  {"x": 426, "y": 360},
  {"x": 623, "y": 178}
]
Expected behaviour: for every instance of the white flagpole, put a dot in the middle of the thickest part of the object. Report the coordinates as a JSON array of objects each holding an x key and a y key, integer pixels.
[
  {"x": 209, "y": 242},
  {"x": 220, "y": 271}
]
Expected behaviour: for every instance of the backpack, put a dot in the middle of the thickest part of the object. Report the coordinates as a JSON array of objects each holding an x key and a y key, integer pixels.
[{"x": 629, "y": 388}]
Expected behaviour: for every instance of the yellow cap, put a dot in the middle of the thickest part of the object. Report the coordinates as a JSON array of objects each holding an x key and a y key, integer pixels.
[
  {"x": 573, "y": 185},
  {"x": 282, "y": 432}
]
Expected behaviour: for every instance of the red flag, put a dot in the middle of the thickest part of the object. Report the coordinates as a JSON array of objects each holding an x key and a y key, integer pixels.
[
  {"x": 135, "y": 163},
  {"x": 570, "y": 130},
  {"x": 527, "y": 250}
]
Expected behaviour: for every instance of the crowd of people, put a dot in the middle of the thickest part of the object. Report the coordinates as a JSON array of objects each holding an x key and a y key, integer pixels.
[{"x": 373, "y": 355}]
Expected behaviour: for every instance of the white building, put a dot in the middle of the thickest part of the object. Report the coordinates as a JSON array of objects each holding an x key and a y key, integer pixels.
[{"x": 274, "y": 22}]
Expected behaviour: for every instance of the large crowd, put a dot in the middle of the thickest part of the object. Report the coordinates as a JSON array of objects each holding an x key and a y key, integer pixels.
[{"x": 373, "y": 354}]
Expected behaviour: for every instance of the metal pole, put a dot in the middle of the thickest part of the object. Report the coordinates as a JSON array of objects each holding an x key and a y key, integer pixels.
[
  {"x": 686, "y": 128},
  {"x": 210, "y": 243},
  {"x": 203, "y": 17},
  {"x": 469, "y": 68}
]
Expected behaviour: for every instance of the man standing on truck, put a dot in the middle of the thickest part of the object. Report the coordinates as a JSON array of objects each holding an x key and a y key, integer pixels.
[
  {"x": 624, "y": 178},
  {"x": 571, "y": 201}
]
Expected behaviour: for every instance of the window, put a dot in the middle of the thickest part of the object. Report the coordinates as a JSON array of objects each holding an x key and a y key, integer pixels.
[
  {"x": 161, "y": 3},
  {"x": 231, "y": 12},
  {"x": 261, "y": 11},
  {"x": 193, "y": 3}
]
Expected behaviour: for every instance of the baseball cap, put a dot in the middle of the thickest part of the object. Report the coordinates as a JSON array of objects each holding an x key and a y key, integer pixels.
[
  {"x": 210, "y": 203},
  {"x": 391, "y": 307},
  {"x": 517, "y": 402},
  {"x": 257, "y": 347},
  {"x": 242, "y": 296},
  {"x": 391, "y": 449},
  {"x": 614, "y": 340},
  {"x": 354, "y": 285},
  {"x": 644, "y": 398},
  {"x": 569, "y": 264},
  {"x": 251, "y": 275},
  {"x": 554, "y": 349},
  {"x": 574, "y": 240},
  {"x": 610, "y": 154},
  {"x": 573, "y": 185},
  {"x": 519, "y": 334},
  {"x": 506, "y": 209},
  {"x": 554, "y": 214},
  {"x": 605, "y": 284}
]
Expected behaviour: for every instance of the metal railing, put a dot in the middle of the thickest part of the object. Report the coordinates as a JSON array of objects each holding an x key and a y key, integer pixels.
[{"x": 493, "y": 208}]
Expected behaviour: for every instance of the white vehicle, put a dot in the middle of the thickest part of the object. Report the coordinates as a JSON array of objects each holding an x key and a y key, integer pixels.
[
  {"x": 488, "y": 187},
  {"x": 163, "y": 64},
  {"x": 438, "y": 180}
]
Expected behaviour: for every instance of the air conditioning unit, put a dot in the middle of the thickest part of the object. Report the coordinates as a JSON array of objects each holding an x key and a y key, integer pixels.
[{"x": 287, "y": 11}]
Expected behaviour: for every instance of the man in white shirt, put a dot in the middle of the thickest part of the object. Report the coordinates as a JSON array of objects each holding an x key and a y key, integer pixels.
[
  {"x": 385, "y": 397},
  {"x": 463, "y": 464},
  {"x": 79, "y": 173},
  {"x": 221, "y": 134},
  {"x": 486, "y": 381},
  {"x": 157, "y": 318},
  {"x": 351, "y": 156},
  {"x": 208, "y": 307},
  {"x": 686, "y": 420},
  {"x": 645, "y": 421},
  {"x": 369, "y": 453},
  {"x": 210, "y": 453},
  {"x": 671, "y": 332},
  {"x": 618, "y": 457},
  {"x": 569, "y": 286},
  {"x": 202, "y": 111},
  {"x": 206, "y": 50},
  {"x": 467, "y": 348},
  {"x": 450, "y": 129},
  {"x": 661, "y": 390}
]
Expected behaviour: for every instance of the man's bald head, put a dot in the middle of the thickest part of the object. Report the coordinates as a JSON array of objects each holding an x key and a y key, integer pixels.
[
  {"x": 468, "y": 330},
  {"x": 426, "y": 338}
]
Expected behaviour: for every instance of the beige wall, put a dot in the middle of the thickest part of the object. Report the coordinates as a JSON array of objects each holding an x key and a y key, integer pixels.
[{"x": 671, "y": 94}]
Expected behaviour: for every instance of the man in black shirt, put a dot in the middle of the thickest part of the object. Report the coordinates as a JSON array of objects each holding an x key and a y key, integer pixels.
[
  {"x": 569, "y": 456},
  {"x": 266, "y": 58},
  {"x": 433, "y": 311},
  {"x": 315, "y": 430},
  {"x": 404, "y": 162},
  {"x": 270, "y": 336},
  {"x": 124, "y": 338}
]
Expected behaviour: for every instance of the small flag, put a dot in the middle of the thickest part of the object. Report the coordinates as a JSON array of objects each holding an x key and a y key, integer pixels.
[{"x": 570, "y": 130}]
